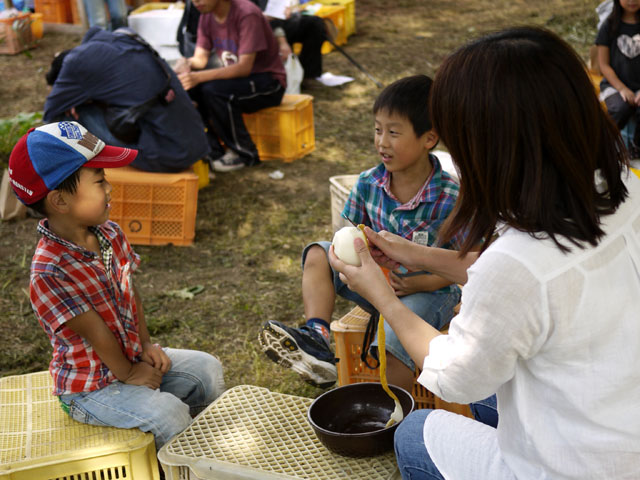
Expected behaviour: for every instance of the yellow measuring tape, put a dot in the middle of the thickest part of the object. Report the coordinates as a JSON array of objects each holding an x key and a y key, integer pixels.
[
  {"x": 382, "y": 353},
  {"x": 382, "y": 358}
]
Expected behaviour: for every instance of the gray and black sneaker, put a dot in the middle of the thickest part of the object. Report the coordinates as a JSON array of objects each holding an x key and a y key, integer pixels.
[{"x": 303, "y": 350}]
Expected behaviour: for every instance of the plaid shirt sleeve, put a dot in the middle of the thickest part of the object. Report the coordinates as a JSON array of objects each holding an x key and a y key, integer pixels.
[{"x": 56, "y": 299}]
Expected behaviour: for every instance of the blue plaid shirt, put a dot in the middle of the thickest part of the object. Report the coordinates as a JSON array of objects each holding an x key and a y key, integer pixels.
[{"x": 372, "y": 203}]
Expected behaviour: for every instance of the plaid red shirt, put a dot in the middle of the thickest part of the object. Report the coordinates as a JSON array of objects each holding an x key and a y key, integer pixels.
[{"x": 68, "y": 280}]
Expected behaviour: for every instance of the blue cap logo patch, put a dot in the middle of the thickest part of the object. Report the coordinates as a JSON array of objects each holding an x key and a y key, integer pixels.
[{"x": 69, "y": 130}]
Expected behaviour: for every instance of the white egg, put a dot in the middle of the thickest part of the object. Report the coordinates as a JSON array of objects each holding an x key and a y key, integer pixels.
[{"x": 343, "y": 245}]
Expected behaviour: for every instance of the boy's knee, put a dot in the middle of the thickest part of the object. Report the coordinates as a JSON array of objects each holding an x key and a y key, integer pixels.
[
  {"x": 170, "y": 418},
  {"x": 316, "y": 257},
  {"x": 209, "y": 373},
  {"x": 215, "y": 372}
]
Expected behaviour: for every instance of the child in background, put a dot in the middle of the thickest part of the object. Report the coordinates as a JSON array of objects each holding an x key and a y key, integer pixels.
[
  {"x": 408, "y": 194},
  {"x": 619, "y": 58},
  {"x": 105, "y": 369}
]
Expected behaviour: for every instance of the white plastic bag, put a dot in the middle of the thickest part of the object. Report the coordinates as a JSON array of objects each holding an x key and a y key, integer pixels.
[{"x": 295, "y": 74}]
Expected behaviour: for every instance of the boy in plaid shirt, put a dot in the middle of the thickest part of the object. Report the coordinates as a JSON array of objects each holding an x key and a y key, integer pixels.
[
  {"x": 407, "y": 194},
  {"x": 105, "y": 369}
]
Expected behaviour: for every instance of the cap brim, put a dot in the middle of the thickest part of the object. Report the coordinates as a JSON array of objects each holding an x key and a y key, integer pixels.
[{"x": 112, "y": 157}]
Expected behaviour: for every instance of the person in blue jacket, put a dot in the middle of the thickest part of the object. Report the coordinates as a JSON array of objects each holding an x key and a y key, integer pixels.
[{"x": 114, "y": 71}]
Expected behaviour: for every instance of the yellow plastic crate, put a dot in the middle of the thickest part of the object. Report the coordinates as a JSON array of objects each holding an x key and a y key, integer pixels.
[
  {"x": 250, "y": 432},
  {"x": 350, "y": 13},
  {"x": 154, "y": 208},
  {"x": 337, "y": 14},
  {"x": 201, "y": 169},
  {"x": 284, "y": 132},
  {"x": 340, "y": 186},
  {"x": 38, "y": 441},
  {"x": 348, "y": 333},
  {"x": 147, "y": 7}
]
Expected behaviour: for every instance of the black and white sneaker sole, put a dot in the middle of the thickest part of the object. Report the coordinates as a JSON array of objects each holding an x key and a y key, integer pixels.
[{"x": 281, "y": 348}]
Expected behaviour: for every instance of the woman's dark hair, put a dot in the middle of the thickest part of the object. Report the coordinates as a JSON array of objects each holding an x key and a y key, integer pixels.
[
  {"x": 522, "y": 122},
  {"x": 69, "y": 185},
  {"x": 408, "y": 97},
  {"x": 615, "y": 18}
]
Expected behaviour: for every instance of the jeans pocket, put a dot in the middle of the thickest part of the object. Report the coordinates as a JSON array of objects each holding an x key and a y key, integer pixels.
[{"x": 80, "y": 414}]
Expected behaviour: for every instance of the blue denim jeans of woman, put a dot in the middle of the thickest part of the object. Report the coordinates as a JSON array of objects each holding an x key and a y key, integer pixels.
[
  {"x": 413, "y": 458},
  {"x": 193, "y": 382}
]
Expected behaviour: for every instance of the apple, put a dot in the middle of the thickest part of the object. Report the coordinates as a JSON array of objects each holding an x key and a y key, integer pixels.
[{"x": 343, "y": 245}]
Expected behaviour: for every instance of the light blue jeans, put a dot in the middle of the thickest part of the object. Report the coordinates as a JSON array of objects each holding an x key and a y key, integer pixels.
[
  {"x": 413, "y": 459},
  {"x": 193, "y": 382},
  {"x": 435, "y": 308},
  {"x": 97, "y": 13}
]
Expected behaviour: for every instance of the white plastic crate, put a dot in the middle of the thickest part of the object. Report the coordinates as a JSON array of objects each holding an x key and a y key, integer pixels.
[
  {"x": 250, "y": 432},
  {"x": 340, "y": 186}
]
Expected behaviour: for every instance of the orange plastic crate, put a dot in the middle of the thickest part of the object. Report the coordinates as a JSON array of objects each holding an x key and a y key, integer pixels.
[
  {"x": 55, "y": 11},
  {"x": 348, "y": 333},
  {"x": 286, "y": 131},
  {"x": 154, "y": 208}
]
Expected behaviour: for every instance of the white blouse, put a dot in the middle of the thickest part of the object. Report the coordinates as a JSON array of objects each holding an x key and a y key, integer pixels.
[{"x": 557, "y": 336}]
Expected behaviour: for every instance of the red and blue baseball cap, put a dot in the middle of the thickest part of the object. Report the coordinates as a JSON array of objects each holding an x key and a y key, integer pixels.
[{"x": 46, "y": 156}]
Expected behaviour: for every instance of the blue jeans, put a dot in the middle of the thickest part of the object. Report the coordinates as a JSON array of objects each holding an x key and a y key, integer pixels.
[
  {"x": 97, "y": 13},
  {"x": 91, "y": 117},
  {"x": 413, "y": 459},
  {"x": 193, "y": 382},
  {"x": 436, "y": 308}
]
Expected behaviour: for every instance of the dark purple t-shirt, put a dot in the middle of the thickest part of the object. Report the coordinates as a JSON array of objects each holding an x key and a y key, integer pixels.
[{"x": 245, "y": 30}]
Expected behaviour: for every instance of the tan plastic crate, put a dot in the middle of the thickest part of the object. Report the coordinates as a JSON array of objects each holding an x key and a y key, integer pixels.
[
  {"x": 250, "y": 432},
  {"x": 15, "y": 33},
  {"x": 154, "y": 208},
  {"x": 38, "y": 441},
  {"x": 340, "y": 186},
  {"x": 348, "y": 333}
]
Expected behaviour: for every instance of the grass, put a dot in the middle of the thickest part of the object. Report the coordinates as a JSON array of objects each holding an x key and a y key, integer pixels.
[{"x": 251, "y": 229}]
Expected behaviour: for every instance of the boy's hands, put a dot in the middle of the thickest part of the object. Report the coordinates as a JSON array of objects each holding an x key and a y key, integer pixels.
[
  {"x": 143, "y": 374},
  {"x": 406, "y": 285},
  {"x": 155, "y": 356}
]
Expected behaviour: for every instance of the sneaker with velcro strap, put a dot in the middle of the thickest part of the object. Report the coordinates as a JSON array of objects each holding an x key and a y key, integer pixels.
[{"x": 303, "y": 350}]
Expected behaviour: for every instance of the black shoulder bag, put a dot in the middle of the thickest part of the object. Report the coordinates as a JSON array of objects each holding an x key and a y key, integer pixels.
[{"x": 123, "y": 121}]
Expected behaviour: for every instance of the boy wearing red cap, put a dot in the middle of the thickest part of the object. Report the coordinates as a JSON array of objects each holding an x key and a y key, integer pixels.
[{"x": 105, "y": 369}]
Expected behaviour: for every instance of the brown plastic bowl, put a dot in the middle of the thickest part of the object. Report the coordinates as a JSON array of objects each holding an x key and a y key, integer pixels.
[{"x": 350, "y": 420}]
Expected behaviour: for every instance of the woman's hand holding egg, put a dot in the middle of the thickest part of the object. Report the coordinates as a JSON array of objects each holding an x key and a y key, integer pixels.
[
  {"x": 343, "y": 245},
  {"x": 356, "y": 266}
]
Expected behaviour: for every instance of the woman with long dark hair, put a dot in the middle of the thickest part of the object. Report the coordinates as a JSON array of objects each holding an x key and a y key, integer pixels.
[{"x": 550, "y": 315}]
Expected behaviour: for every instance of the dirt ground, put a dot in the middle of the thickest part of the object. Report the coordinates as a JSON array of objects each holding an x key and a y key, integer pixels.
[{"x": 250, "y": 228}]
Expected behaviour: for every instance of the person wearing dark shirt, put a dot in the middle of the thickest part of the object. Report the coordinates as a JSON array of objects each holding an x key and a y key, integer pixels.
[
  {"x": 113, "y": 69},
  {"x": 252, "y": 76}
]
